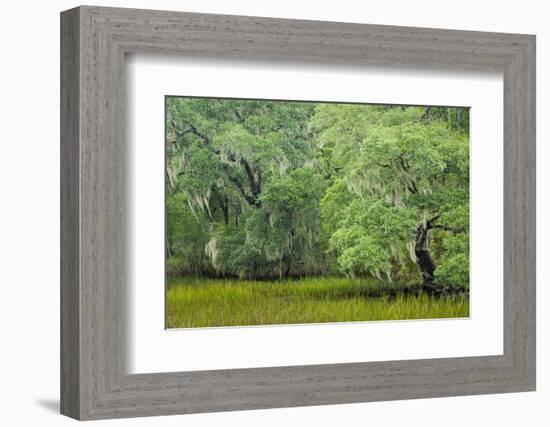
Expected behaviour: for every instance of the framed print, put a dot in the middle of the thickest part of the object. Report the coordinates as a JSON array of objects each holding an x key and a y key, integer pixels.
[
  {"x": 261, "y": 213},
  {"x": 273, "y": 217}
]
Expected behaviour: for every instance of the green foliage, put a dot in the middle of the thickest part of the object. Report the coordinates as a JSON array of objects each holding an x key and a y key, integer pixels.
[
  {"x": 186, "y": 237},
  {"x": 245, "y": 167},
  {"x": 267, "y": 189},
  {"x": 370, "y": 237},
  {"x": 454, "y": 262},
  {"x": 405, "y": 171}
]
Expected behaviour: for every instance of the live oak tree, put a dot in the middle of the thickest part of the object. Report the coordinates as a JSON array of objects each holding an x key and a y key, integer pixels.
[
  {"x": 266, "y": 189},
  {"x": 246, "y": 169},
  {"x": 400, "y": 189}
]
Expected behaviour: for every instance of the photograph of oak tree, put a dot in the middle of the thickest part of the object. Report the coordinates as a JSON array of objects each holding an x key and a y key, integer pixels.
[{"x": 293, "y": 212}]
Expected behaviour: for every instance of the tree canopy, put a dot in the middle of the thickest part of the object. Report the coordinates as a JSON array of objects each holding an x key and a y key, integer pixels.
[{"x": 272, "y": 189}]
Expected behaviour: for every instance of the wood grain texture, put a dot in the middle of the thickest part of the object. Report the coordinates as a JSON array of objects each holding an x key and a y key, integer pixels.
[
  {"x": 70, "y": 297},
  {"x": 94, "y": 235}
]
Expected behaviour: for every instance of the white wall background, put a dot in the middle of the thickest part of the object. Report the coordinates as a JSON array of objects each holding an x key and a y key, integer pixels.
[{"x": 29, "y": 213}]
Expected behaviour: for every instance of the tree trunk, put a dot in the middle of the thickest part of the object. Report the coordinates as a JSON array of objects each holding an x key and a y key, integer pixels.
[
  {"x": 288, "y": 266},
  {"x": 236, "y": 216},
  {"x": 224, "y": 204},
  {"x": 423, "y": 258}
]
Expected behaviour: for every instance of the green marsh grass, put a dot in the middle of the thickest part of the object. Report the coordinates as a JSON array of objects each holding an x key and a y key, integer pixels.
[{"x": 203, "y": 302}]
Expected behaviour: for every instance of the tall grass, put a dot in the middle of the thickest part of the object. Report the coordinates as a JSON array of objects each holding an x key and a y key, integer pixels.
[{"x": 201, "y": 302}]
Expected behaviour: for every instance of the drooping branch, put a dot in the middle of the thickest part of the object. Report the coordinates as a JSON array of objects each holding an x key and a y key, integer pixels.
[
  {"x": 399, "y": 161},
  {"x": 254, "y": 183},
  {"x": 412, "y": 187},
  {"x": 223, "y": 203},
  {"x": 250, "y": 199}
]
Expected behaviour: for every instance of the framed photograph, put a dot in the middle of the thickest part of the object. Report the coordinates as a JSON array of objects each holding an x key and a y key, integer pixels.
[
  {"x": 261, "y": 213},
  {"x": 293, "y": 212}
]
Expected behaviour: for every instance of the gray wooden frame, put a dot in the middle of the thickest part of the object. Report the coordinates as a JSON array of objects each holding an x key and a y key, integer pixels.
[{"x": 94, "y": 382}]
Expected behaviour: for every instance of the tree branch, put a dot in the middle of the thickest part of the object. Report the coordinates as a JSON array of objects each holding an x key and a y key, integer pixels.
[
  {"x": 435, "y": 218},
  {"x": 412, "y": 189},
  {"x": 196, "y": 132},
  {"x": 190, "y": 129},
  {"x": 449, "y": 228},
  {"x": 430, "y": 224},
  {"x": 253, "y": 201},
  {"x": 253, "y": 182}
]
